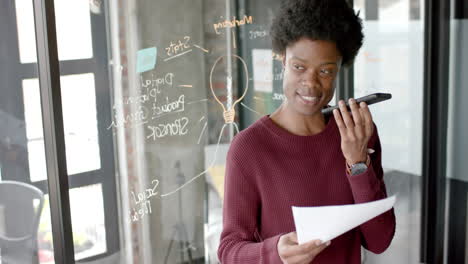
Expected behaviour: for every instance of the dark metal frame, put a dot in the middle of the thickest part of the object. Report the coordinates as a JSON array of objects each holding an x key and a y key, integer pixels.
[
  {"x": 436, "y": 65},
  {"x": 58, "y": 180},
  {"x": 345, "y": 89},
  {"x": 434, "y": 139},
  {"x": 54, "y": 138}
]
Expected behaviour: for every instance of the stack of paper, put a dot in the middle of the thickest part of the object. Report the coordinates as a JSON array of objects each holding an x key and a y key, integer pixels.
[{"x": 328, "y": 222}]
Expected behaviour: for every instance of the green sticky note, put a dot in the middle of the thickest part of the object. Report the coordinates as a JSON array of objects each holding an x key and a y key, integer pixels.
[{"x": 146, "y": 59}]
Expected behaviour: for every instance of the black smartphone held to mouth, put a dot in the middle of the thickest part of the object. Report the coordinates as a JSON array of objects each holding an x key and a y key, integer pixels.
[{"x": 368, "y": 99}]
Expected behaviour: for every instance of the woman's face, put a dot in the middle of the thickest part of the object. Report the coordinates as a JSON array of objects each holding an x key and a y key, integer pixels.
[{"x": 310, "y": 71}]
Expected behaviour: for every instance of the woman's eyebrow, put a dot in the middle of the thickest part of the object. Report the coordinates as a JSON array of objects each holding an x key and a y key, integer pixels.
[
  {"x": 326, "y": 63},
  {"x": 305, "y": 61},
  {"x": 297, "y": 58}
]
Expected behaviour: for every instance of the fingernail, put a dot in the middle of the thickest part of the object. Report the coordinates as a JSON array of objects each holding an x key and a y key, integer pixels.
[
  {"x": 318, "y": 242},
  {"x": 328, "y": 243},
  {"x": 351, "y": 101}
]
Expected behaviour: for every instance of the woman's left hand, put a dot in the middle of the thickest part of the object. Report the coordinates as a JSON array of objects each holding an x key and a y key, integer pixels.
[{"x": 356, "y": 129}]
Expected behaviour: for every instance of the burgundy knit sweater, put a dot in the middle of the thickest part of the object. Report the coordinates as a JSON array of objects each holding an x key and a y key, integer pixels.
[{"x": 268, "y": 170}]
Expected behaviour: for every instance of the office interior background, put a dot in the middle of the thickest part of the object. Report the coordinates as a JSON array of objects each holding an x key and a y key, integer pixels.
[{"x": 113, "y": 141}]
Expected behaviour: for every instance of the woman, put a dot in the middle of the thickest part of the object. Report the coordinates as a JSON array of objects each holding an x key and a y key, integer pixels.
[{"x": 298, "y": 157}]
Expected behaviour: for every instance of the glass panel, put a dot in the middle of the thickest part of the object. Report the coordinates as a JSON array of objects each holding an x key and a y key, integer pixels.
[
  {"x": 391, "y": 61},
  {"x": 457, "y": 178},
  {"x": 26, "y": 36},
  {"x": 80, "y": 124},
  {"x": 23, "y": 203},
  {"x": 87, "y": 211},
  {"x": 89, "y": 233},
  {"x": 161, "y": 128},
  {"x": 73, "y": 26}
]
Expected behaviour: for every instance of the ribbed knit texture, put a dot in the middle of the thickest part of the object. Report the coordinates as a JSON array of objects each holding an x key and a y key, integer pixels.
[{"x": 268, "y": 170}]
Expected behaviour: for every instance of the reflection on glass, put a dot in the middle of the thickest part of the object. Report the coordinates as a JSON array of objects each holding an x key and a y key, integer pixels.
[
  {"x": 89, "y": 233},
  {"x": 457, "y": 141},
  {"x": 73, "y": 26},
  {"x": 80, "y": 124},
  {"x": 391, "y": 61},
  {"x": 87, "y": 211}
]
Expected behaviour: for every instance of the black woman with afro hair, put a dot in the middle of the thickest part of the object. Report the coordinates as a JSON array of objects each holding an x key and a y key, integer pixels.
[{"x": 296, "y": 156}]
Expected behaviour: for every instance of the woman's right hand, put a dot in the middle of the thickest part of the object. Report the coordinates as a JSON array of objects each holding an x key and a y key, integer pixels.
[{"x": 291, "y": 252}]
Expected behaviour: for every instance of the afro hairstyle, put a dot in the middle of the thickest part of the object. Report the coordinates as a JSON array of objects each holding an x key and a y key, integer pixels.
[{"x": 330, "y": 20}]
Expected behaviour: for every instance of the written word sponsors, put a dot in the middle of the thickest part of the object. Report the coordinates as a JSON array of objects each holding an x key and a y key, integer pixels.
[
  {"x": 232, "y": 23},
  {"x": 177, "y": 127},
  {"x": 143, "y": 202}
]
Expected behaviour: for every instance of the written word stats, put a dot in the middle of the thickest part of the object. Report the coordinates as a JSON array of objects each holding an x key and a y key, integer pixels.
[{"x": 178, "y": 46}]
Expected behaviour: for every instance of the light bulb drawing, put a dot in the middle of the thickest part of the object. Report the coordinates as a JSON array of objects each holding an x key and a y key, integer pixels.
[{"x": 229, "y": 113}]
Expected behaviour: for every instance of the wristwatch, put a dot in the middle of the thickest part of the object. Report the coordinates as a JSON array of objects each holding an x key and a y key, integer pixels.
[{"x": 358, "y": 168}]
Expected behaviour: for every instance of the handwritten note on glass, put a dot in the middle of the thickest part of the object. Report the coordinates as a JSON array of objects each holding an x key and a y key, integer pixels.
[{"x": 146, "y": 59}]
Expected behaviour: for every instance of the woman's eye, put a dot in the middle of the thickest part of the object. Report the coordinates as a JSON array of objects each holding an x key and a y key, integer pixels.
[
  {"x": 298, "y": 67},
  {"x": 326, "y": 72}
]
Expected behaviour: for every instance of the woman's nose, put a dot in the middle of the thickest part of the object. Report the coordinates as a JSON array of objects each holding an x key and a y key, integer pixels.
[{"x": 309, "y": 81}]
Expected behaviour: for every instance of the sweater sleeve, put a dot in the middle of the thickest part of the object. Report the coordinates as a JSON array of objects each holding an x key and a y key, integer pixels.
[
  {"x": 239, "y": 243},
  {"x": 378, "y": 232}
]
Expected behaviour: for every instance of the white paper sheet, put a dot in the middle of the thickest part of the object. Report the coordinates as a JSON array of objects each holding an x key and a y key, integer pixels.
[{"x": 328, "y": 222}]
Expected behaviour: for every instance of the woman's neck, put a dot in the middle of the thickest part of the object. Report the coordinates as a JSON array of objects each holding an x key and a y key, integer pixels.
[{"x": 297, "y": 123}]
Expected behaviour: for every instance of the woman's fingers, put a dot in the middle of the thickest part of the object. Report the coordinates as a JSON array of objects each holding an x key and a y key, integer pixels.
[
  {"x": 345, "y": 114},
  {"x": 368, "y": 123},
  {"x": 308, "y": 251},
  {"x": 291, "y": 252},
  {"x": 339, "y": 122},
  {"x": 358, "y": 120},
  {"x": 358, "y": 123}
]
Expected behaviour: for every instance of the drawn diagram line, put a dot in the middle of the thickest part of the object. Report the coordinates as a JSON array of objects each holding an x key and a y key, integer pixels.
[
  {"x": 205, "y": 171},
  {"x": 203, "y": 130},
  {"x": 205, "y": 50},
  {"x": 129, "y": 126},
  {"x": 234, "y": 39},
  {"x": 175, "y": 56},
  {"x": 186, "y": 85},
  {"x": 165, "y": 114},
  {"x": 251, "y": 109},
  {"x": 259, "y": 99},
  {"x": 197, "y": 101}
]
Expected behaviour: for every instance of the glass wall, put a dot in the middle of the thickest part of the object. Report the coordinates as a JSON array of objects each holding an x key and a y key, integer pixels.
[
  {"x": 457, "y": 179},
  {"x": 25, "y": 226},
  {"x": 391, "y": 61},
  {"x": 152, "y": 94}
]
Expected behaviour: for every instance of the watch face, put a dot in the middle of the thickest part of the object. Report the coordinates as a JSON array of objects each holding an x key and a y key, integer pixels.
[{"x": 358, "y": 168}]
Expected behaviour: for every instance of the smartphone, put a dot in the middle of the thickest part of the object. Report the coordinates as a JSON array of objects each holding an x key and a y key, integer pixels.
[{"x": 368, "y": 99}]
